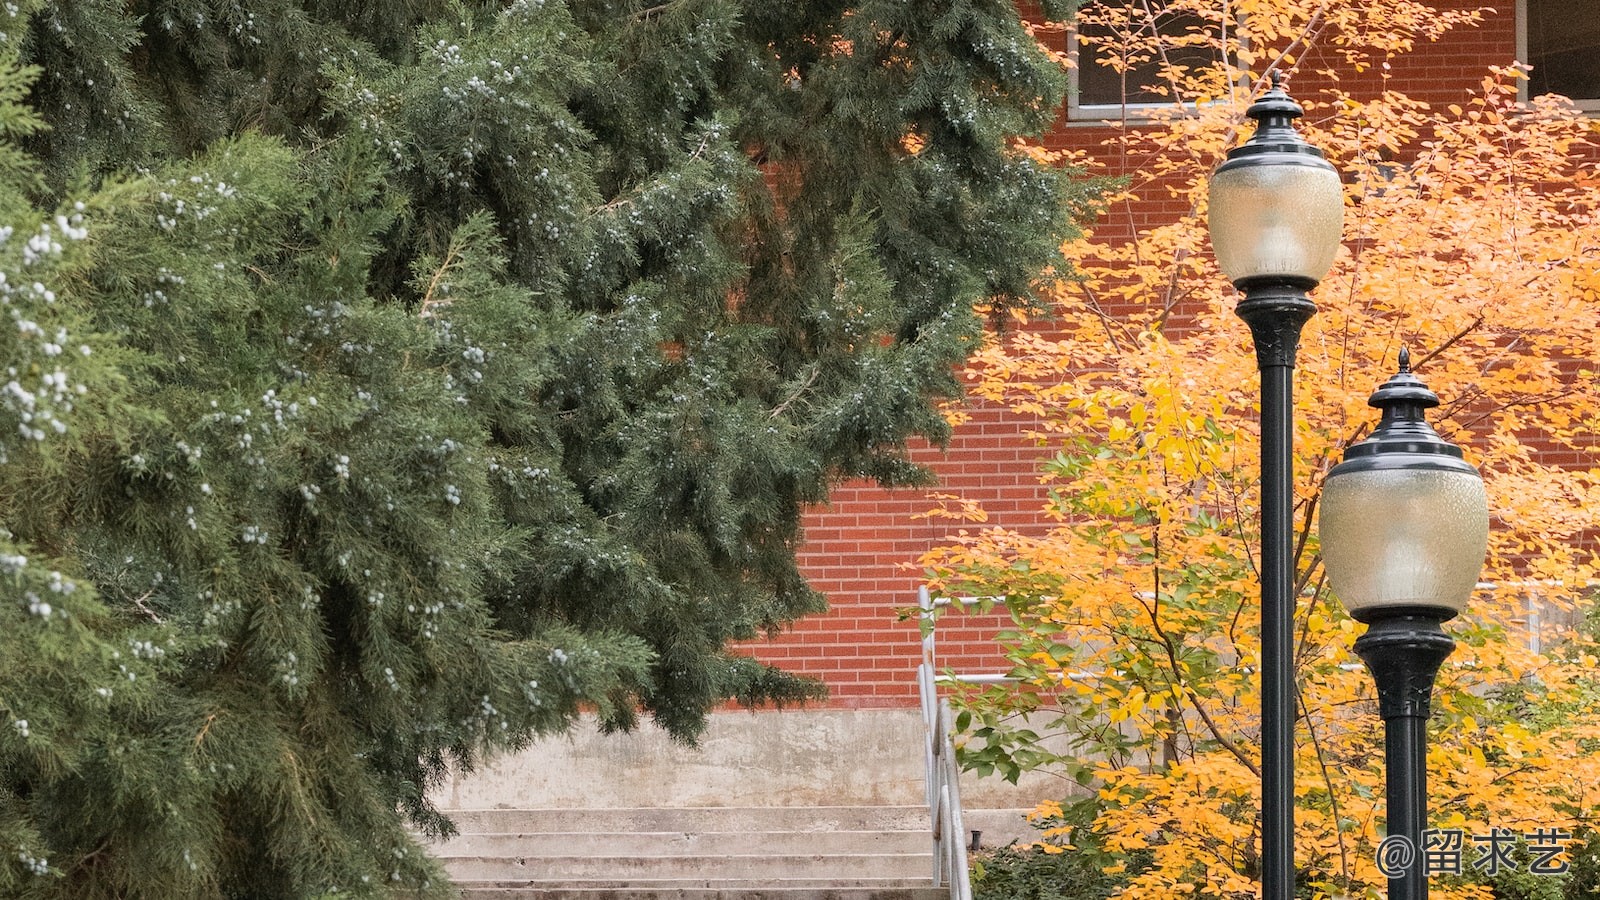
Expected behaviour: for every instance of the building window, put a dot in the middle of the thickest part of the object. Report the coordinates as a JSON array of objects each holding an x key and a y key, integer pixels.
[
  {"x": 1560, "y": 39},
  {"x": 1123, "y": 52}
]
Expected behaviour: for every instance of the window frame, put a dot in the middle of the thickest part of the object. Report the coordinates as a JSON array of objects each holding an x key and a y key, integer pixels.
[{"x": 1590, "y": 105}]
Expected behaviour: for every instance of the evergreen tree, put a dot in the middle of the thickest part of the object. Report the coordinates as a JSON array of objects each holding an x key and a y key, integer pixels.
[{"x": 390, "y": 382}]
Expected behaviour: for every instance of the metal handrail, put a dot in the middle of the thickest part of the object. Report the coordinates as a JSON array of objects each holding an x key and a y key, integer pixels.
[
  {"x": 944, "y": 774},
  {"x": 950, "y": 867}
]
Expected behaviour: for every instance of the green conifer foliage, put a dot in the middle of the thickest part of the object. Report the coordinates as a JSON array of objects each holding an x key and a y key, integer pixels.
[{"x": 388, "y": 383}]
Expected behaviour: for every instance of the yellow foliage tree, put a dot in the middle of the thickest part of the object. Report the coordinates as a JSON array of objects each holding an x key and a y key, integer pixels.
[{"x": 1473, "y": 238}]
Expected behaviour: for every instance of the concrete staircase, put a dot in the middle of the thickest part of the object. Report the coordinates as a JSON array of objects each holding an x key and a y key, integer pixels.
[
  {"x": 792, "y": 805},
  {"x": 693, "y": 853}
]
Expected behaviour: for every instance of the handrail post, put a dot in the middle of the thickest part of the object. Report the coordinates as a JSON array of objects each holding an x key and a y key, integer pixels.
[
  {"x": 960, "y": 881},
  {"x": 944, "y": 776}
]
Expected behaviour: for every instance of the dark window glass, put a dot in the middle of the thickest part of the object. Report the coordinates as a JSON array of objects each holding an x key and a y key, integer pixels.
[
  {"x": 1185, "y": 43},
  {"x": 1564, "y": 48}
]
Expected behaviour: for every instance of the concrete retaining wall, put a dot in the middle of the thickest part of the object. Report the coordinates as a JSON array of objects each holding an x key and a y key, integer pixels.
[{"x": 803, "y": 757}]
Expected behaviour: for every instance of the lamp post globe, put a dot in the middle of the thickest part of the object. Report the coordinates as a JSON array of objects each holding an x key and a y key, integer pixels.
[
  {"x": 1404, "y": 521},
  {"x": 1404, "y": 525},
  {"x": 1276, "y": 210},
  {"x": 1276, "y": 204}
]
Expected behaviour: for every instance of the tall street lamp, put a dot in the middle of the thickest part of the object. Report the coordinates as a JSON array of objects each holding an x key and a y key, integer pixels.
[
  {"x": 1404, "y": 526},
  {"x": 1276, "y": 213}
]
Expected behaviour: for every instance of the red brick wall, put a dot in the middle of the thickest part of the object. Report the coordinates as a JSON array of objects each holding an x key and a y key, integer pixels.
[
  {"x": 859, "y": 552},
  {"x": 859, "y": 549}
]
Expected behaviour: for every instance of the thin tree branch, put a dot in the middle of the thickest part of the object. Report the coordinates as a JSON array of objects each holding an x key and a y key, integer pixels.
[
  {"x": 1476, "y": 323},
  {"x": 1106, "y": 321},
  {"x": 1327, "y": 779}
]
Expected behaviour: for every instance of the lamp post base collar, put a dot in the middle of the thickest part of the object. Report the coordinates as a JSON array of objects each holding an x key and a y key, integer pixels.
[
  {"x": 1404, "y": 647},
  {"x": 1276, "y": 309}
]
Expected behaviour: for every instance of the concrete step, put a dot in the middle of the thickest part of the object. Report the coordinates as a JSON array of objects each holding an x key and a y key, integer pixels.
[
  {"x": 694, "y": 818},
  {"x": 693, "y": 853},
  {"x": 680, "y": 843},
  {"x": 735, "y": 866},
  {"x": 826, "y": 889}
]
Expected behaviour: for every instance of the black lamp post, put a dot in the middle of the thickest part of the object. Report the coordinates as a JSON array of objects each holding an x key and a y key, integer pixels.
[
  {"x": 1404, "y": 526},
  {"x": 1277, "y": 210}
]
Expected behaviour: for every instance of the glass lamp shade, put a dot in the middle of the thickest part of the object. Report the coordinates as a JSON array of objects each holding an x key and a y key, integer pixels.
[
  {"x": 1276, "y": 217},
  {"x": 1403, "y": 537},
  {"x": 1404, "y": 520}
]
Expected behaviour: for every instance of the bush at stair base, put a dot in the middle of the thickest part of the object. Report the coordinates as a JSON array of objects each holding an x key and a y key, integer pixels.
[{"x": 1029, "y": 873}]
